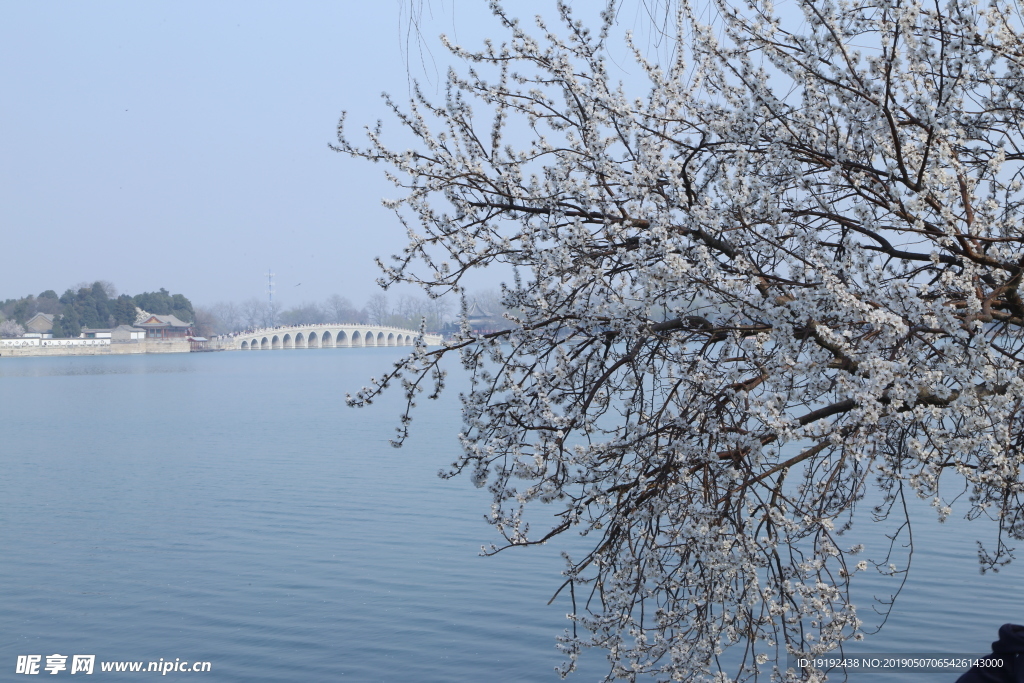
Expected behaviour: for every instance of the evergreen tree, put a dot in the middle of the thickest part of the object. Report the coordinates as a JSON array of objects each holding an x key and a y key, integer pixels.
[
  {"x": 101, "y": 303},
  {"x": 123, "y": 310},
  {"x": 92, "y": 307},
  {"x": 163, "y": 303},
  {"x": 181, "y": 308},
  {"x": 58, "y": 327},
  {"x": 85, "y": 305},
  {"x": 67, "y": 324},
  {"x": 24, "y": 309}
]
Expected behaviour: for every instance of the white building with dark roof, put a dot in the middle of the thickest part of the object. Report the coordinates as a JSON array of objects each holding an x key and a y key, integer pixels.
[{"x": 127, "y": 333}]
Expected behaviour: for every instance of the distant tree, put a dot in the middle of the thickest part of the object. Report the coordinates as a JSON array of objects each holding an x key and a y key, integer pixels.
[
  {"x": 9, "y": 328},
  {"x": 228, "y": 316},
  {"x": 66, "y": 324},
  {"x": 340, "y": 310},
  {"x": 181, "y": 308},
  {"x": 270, "y": 313},
  {"x": 154, "y": 302},
  {"x": 411, "y": 312},
  {"x": 48, "y": 304},
  {"x": 205, "y": 323},
  {"x": 163, "y": 303},
  {"x": 109, "y": 290},
  {"x": 378, "y": 309},
  {"x": 95, "y": 307},
  {"x": 252, "y": 312},
  {"x": 85, "y": 307},
  {"x": 438, "y": 313},
  {"x": 101, "y": 303},
  {"x": 24, "y": 309},
  {"x": 124, "y": 310},
  {"x": 407, "y": 312},
  {"x": 91, "y": 306},
  {"x": 72, "y": 327},
  {"x": 306, "y": 314}
]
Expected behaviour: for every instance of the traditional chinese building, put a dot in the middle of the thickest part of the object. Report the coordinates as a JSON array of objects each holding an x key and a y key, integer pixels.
[
  {"x": 123, "y": 333},
  {"x": 482, "y": 321},
  {"x": 199, "y": 344},
  {"x": 164, "y": 327},
  {"x": 40, "y": 322}
]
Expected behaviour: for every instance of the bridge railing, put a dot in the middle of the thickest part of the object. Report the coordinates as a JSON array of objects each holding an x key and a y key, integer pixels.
[
  {"x": 328, "y": 326},
  {"x": 249, "y": 339}
]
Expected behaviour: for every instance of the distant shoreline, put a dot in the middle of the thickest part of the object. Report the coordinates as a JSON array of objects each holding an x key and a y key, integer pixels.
[{"x": 114, "y": 349}]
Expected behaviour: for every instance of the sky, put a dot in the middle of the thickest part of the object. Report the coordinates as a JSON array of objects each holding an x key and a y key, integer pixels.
[{"x": 185, "y": 145}]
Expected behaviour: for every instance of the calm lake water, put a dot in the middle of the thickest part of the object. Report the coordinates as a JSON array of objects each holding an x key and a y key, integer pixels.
[{"x": 228, "y": 507}]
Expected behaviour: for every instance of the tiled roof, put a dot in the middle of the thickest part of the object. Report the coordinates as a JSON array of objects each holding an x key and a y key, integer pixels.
[{"x": 161, "y": 321}]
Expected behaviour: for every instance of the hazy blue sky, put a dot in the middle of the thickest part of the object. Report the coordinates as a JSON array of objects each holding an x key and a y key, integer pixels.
[{"x": 184, "y": 145}]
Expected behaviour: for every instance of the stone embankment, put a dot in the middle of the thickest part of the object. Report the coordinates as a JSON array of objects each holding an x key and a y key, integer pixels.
[{"x": 100, "y": 349}]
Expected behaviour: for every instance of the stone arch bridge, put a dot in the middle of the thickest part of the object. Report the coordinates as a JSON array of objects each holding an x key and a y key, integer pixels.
[{"x": 328, "y": 336}]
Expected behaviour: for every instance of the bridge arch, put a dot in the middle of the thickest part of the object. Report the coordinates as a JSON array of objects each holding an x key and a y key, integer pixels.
[{"x": 328, "y": 336}]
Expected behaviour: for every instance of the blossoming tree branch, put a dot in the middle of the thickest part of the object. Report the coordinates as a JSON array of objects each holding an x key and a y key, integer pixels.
[{"x": 788, "y": 272}]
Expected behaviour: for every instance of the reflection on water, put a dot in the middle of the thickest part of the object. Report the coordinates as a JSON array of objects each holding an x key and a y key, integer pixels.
[
  {"x": 230, "y": 508},
  {"x": 69, "y": 366}
]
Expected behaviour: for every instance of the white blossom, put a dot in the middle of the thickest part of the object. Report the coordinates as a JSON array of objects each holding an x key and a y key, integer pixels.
[{"x": 788, "y": 271}]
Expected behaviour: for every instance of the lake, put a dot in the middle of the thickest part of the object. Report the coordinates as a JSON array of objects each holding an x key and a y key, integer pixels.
[{"x": 229, "y": 507}]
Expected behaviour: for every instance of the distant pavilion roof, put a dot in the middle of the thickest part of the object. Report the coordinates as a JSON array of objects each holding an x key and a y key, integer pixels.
[
  {"x": 477, "y": 311},
  {"x": 156, "y": 322}
]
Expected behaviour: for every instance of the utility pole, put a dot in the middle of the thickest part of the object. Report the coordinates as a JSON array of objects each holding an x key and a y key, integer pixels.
[{"x": 270, "y": 297}]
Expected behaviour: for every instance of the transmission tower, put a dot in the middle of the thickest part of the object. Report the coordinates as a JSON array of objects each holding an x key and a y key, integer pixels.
[{"x": 270, "y": 286}]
